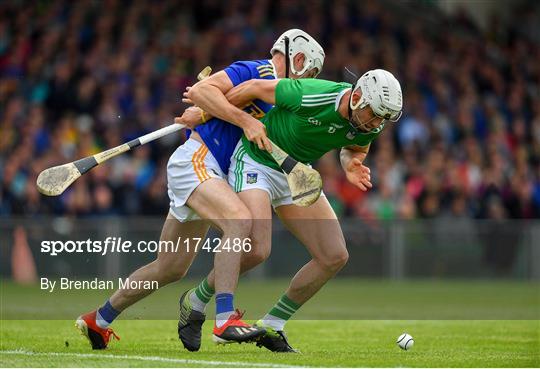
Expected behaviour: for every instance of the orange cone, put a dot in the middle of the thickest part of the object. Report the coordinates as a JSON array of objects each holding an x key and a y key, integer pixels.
[{"x": 23, "y": 266}]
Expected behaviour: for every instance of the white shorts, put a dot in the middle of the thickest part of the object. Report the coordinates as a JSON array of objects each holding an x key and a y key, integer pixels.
[
  {"x": 247, "y": 174},
  {"x": 189, "y": 166}
]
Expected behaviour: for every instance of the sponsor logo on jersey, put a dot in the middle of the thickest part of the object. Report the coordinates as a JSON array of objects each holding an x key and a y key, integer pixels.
[
  {"x": 333, "y": 127},
  {"x": 314, "y": 121},
  {"x": 251, "y": 178}
]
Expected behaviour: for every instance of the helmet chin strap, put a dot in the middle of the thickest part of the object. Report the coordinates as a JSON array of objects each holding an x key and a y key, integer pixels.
[
  {"x": 287, "y": 61},
  {"x": 350, "y": 103}
]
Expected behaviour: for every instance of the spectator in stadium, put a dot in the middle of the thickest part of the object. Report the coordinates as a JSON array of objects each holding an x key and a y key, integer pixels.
[{"x": 79, "y": 77}]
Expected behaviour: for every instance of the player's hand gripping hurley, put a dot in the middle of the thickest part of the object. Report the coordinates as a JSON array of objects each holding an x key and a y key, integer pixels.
[{"x": 54, "y": 181}]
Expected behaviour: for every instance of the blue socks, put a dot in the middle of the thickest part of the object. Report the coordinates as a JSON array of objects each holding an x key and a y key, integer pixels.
[
  {"x": 106, "y": 315},
  {"x": 224, "y": 308},
  {"x": 224, "y": 303}
]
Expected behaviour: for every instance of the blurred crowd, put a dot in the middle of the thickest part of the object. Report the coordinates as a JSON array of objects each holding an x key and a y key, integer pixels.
[{"x": 77, "y": 77}]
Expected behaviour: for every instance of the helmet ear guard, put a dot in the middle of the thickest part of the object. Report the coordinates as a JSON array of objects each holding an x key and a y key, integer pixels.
[
  {"x": 295, "y": 41},
  {"x": 294, "y": 49},
  {"x": 360, "y": 101}
]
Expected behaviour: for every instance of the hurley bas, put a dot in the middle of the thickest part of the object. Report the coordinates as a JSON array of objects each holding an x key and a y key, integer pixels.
[{"x": 96, "y": 284}]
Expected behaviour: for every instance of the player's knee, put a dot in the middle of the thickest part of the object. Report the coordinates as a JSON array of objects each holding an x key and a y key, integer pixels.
[
  {"x": 244, "y": 226},
  {"x": 334, "y": 262},
  {"x": 170, "y": 273},
  {"x": 237, "y": 221},
  {"x": 238, "y": 212},
  {"x": 343, "y": 259},
  {"x": 256, "y": 256},
  {"x": 172, "y": 276},
  {"x": 236, "y": 228}
]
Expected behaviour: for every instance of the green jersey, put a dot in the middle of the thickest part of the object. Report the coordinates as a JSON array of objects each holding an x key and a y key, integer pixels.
[{"x": 305, "y": 122}]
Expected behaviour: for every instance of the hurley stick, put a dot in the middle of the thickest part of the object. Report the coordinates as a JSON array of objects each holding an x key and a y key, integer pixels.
[{"x": 54, "y": 181}]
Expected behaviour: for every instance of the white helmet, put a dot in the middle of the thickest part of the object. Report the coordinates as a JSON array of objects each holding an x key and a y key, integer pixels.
[
  {"x": 300, "y": 42},
  {"x": 382, "y": 92}
]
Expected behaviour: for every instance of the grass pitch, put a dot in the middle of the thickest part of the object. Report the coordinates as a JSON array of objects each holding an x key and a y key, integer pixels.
[{"x": 335, "y": 343}]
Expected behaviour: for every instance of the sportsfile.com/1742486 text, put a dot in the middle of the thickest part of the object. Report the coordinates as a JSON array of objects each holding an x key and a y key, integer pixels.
[{"x": 119, "y": 245}]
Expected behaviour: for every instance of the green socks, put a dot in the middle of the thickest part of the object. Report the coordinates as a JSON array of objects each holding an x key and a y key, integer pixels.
[
  {"x": 201, "y": 296},
  {"x": 280, "y": 313}
]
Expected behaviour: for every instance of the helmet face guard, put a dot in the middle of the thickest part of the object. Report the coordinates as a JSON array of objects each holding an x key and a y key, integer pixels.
[
  {"x": 363, "y": 126},
  {"x": 382, "y": 93}
]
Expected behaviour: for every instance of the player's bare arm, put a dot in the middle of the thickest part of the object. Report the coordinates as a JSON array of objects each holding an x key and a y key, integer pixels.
[
  {"x": 194, "y": 115},
  {"x": 209, "y": 96},
  {"x": 209, "y": 93},
  {"x": 241, "y": 95},
  {"x": 352, "y": 158},
  {"x": 245, "y": 92},
  {"x": 238, "y": 96}
]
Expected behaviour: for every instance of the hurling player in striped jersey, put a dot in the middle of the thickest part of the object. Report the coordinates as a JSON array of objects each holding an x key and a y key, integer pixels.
[
  {"x": 200, "y": 197},
  {"x": 310, "y": 118}
]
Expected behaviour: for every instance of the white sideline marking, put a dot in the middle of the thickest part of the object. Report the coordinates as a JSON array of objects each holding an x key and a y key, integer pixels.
[{"x": 147, "y": 358}]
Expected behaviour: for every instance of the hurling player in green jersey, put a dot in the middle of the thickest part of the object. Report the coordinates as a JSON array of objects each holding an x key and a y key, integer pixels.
[{"x": 310, "y": 118}]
